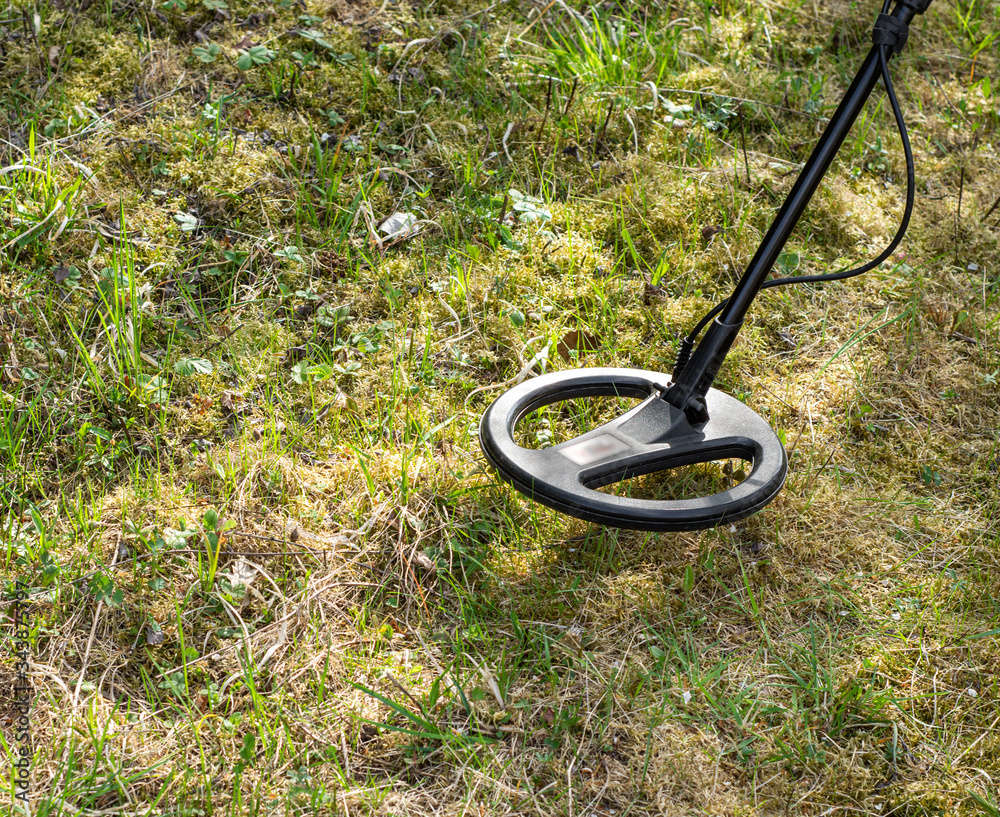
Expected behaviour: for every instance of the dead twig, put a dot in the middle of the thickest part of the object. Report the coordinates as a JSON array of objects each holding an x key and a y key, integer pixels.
[
  {"x": 958, "y": 212},
  {"x": 743, "y": 141},
  {"x": 548, "y": 105},
  {"x": 990, "y": 211}
]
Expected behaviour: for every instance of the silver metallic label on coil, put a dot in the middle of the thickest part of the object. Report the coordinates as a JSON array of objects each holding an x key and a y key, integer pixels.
[{"x": 594, "y": 449}]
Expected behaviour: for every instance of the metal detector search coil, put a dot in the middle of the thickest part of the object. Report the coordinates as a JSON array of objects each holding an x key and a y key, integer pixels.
[
  {"x": 652, "y": 437},
  {"x": 682, "y": 420}
]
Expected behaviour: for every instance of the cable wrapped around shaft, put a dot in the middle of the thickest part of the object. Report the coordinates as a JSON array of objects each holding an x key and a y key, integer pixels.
[{"x": 890, "y": 32}]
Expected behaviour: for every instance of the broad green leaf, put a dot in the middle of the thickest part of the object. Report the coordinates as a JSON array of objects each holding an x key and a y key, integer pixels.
[
  {"x": 316, "y": 37},
  {"x": 193, "y": 365}
]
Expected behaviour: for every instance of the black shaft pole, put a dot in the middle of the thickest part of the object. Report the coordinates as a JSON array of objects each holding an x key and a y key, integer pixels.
[
  {"x": 805, "y": 186},
  {"x": 699, "y": 373}
]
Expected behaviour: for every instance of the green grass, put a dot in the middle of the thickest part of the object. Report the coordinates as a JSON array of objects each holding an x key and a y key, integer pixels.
[{"x": 270, "y": 570}]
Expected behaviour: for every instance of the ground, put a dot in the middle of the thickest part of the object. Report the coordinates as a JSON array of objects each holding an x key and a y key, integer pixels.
[{"x": 263, "y": 564}]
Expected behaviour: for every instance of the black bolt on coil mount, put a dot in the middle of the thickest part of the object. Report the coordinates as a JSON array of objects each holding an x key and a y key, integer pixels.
[{"x": 682, "y": 420}]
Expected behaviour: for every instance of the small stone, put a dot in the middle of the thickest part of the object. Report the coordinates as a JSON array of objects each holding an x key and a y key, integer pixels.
[
  {"x": 399, "y": 225},
  {"x": 424, "y": 562}
]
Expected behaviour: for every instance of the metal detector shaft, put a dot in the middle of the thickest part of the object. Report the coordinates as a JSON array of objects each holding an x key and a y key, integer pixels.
[{"x": 692, "y": 384}]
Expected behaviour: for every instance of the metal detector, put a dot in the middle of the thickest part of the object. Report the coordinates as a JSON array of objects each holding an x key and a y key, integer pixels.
[{"x": 682, "y": 419}]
